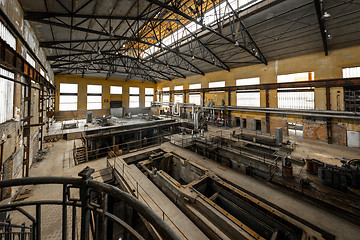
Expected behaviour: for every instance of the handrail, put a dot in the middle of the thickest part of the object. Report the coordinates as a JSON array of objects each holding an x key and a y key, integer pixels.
[
  {"x": 139, "y": 194},
  {"x": 161, "y": 227}
]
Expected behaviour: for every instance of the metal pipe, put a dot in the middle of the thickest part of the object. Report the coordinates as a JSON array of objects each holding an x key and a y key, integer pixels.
[{"x": 286, "y": 112}]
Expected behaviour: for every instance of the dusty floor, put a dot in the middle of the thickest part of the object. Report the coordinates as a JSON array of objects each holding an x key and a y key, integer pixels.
[
  {"x": 83, "y": 126},
  {"x": 304, "y": 148},
  {"x": 323, "y": 219},
  {"x": 57, "y": 162}
]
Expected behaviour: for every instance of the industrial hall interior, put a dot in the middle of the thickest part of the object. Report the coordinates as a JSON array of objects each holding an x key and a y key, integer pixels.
[{"x": 180, "y": 119}]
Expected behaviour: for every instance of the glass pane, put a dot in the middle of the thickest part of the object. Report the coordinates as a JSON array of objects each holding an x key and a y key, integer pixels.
[
  {"x": 94, "y": 89},
  {"x": 248, "y": 99},
  {"x": 216, "y": 84},
  {"x": 166, "y": 89},
  {"x": 166, "y": 98},
  {"x": 148, "y": 100},
  {"x": 178, "y": 98},
  {"x": 6, "y": 99},
  {"x": 115, "y": 90},
  {"x": 134, "y": 90},
  {"x": 30, "y": 60},
  {"x": 351, "y": 72},
  {"x": 149, "y": 91},
  {"x": 195, "y": 86},
  {"x": 247, "y": 81},
  {"x": 68, "y": 99},
  {"x": 178, "y": 88},
  {"x": 134, "y": 102},
  {"x": 7, "y": 36},
  {"x": 295, "y": 77},
  {"x": 68, "y": 88},
  {"x": 296, "y": 100},
  {"x": 93, "y": 99},
  {"x": 194, "y": 98}
]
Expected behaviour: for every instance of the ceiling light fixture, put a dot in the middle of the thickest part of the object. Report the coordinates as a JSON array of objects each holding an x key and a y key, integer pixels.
[{"x": 326, "y": 15}]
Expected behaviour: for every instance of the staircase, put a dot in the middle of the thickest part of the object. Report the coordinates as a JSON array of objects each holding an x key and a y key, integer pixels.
[{"x": 80, "y": 155}]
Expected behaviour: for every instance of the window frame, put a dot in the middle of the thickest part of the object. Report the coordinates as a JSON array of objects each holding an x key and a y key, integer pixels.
[
  {"x": 295, "y": 98},
  {"x": 68, "y": 94},
  {"x": 113, "y": 92},
  {"x": 241, "y": 94},
  {"x": 91, "y": 94},
  {"x": 8, "y": 87},
  {"x": 132, "y": 96},
  {"x": 148, "y": 95}
]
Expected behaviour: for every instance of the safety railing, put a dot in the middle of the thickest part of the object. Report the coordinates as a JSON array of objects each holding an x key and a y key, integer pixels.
[
  {"x": 10, "y": 231},
  {"x": 94, "y": 199},
  {"x": 119, "y": 167}
]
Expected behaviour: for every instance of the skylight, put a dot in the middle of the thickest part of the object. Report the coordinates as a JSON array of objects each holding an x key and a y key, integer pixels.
[{"x": 209, "y": 18}]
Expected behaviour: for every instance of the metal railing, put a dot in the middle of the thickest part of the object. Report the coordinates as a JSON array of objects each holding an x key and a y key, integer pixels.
[
  {"x": 135, "y": 185},
  {"x": 92, "y": 198},
  {"x": 22, "y": 232}
]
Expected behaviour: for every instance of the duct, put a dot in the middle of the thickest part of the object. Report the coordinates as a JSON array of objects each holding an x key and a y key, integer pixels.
[
  {"x": 299, "y": 112},
  {"x": 176, "y": 110},
  {"x": 196, "y": 118},
  {"x": 322, "y": 114}
]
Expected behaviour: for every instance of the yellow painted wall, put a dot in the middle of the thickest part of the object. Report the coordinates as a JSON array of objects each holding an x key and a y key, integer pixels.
[
  {"x": 106, "y": 97},
  {"x": 324, "y": 67}
]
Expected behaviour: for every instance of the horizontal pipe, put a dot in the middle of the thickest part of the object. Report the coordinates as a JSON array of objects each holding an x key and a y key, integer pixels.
[{"x": 285, "y": 112}]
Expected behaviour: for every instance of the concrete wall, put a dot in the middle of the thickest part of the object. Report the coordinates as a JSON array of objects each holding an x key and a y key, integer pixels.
[
  {"x": 11, "y": 132},
  {"x": 14, "y": 12},
  {"x": 106, "y": 96}
]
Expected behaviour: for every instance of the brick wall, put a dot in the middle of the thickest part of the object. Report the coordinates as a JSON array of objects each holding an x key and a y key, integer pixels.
[
  {"x": 339, "y": 134},
  {"x": 316, "y": 131},
  {"x": 278, "y": 122}
]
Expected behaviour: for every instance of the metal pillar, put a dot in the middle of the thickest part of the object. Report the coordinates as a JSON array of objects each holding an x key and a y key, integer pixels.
[
  {"x": 229, "y": 112},
  {"x": 328, "y": 120},
  {"x": 38, "y": 221},
  {"x": 267, "y": 118},
  {"x": 26, "y": 132},
  {"x": 41, "y": 115},
  {"x": 85, "y": 201}
]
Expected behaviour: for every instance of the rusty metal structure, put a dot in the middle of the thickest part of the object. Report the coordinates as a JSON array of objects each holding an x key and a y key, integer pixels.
[
  {"x": 94, "y": 199},
  {"x": 156, "y": 40}
]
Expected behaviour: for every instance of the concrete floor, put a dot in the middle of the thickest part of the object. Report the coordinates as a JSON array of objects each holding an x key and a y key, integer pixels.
[
  {"x": 58, "y": 162},
  {"x": 324, "y": 152},
  {"x": 55, "y": 128},
  {"x": 323, "y": 219}
]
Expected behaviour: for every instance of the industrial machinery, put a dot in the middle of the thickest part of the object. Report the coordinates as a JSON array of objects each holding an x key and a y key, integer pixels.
[{"x": 341, "y": 177}]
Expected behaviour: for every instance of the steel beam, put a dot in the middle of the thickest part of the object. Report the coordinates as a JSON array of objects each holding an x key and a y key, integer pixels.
[
  {"x": 216, "y": 32},
  {"x": 33, "y": 16},
  {"x": 118, "y": 37},
  {"x": 335, "y": 82},
  {"x": 319, "y": 13}
]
